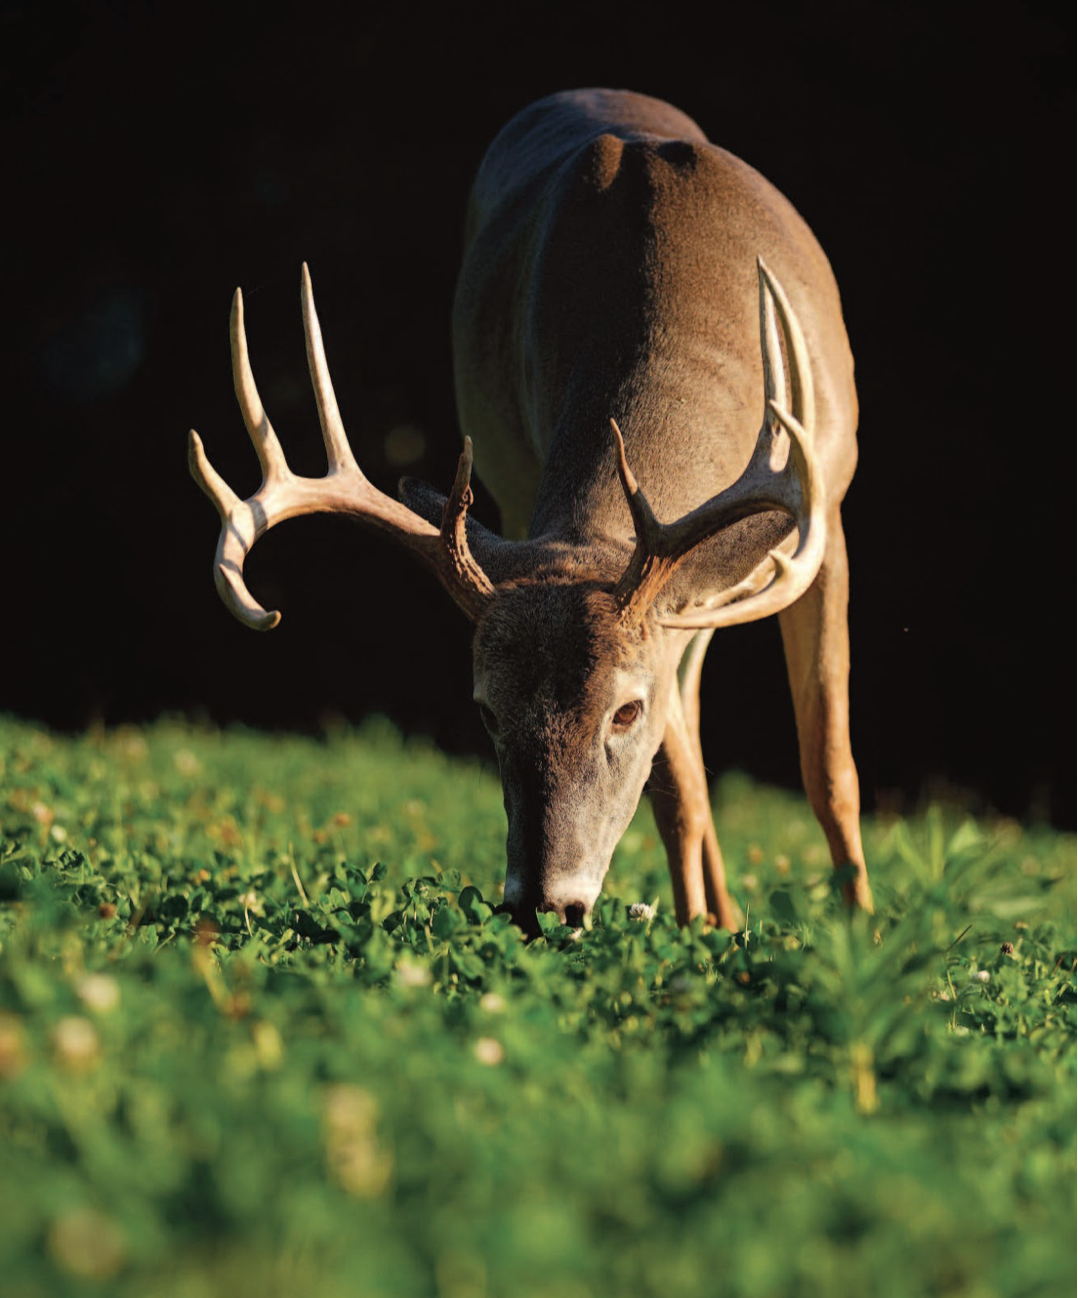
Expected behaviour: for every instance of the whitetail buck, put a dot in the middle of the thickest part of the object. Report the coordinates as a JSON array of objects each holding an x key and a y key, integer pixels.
[{"x": 617, "y": 267}]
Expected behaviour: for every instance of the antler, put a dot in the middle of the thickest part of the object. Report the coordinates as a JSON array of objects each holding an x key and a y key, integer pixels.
[
  {"x": 344, "y": 489},
  {"x": 795, "y": 489}
]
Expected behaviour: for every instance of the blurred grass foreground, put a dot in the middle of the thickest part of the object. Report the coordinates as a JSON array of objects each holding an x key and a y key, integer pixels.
[{"x": 261, "y": 1033}]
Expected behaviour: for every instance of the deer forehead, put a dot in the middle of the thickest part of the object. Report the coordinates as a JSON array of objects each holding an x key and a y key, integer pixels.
[{"x": 559, "y": 649}]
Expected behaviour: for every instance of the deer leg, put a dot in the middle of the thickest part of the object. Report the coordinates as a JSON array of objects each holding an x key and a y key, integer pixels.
[
  {"x": 719, "y": 903},
  {"x": 816, "y": 639},
  {"x": 679, "y": 798},
  {"x": 688, "y": 679}
]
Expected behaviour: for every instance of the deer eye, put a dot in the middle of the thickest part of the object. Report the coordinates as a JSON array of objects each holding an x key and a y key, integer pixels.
[
  {"x": 490, "y": 721},
  {"x": 627, "y": 715}
]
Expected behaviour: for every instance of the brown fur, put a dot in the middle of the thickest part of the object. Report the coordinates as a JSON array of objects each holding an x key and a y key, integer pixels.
[{"x": 610, "y": 271}]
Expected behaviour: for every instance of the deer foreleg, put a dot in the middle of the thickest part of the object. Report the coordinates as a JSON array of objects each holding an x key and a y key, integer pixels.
[
  {"x": 719, "y": 904},
  {"x": 815, "y": 637},
  {"x": 679, "y": 798}
]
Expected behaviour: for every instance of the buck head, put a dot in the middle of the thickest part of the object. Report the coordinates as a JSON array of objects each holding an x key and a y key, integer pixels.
[{"x": 574, "y": 699}]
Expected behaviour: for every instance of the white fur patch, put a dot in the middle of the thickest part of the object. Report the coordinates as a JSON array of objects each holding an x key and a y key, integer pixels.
[{"x": 576, "y": 890}]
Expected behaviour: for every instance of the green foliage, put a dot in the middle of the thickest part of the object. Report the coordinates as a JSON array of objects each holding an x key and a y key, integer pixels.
[{"x": 262, "y": 1032}]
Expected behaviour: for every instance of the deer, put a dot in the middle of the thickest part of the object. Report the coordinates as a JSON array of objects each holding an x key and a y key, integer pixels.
[{"x": 643, "y": 329}]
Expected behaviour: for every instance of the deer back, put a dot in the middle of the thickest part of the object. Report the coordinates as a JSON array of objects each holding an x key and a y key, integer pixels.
[{"x": 610, "y": 270}]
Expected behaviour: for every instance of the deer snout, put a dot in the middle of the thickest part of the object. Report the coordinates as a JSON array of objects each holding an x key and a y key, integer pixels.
[
  {"x": 571, "y": 913},
  {"x": 570, "y": 899}
]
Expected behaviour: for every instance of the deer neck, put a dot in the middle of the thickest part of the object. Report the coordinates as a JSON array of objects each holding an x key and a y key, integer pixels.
[{"x": 689, "y": 427}]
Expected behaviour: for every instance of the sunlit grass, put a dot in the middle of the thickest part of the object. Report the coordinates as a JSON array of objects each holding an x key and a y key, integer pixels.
[{"x": 261, "y": 1032}]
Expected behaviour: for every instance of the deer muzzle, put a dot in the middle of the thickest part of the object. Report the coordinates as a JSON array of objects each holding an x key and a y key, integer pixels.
[{"x": 570, "y": 897}]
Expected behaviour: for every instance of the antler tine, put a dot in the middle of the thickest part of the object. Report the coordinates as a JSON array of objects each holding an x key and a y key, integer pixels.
[
  {"x": 653, "y": 560},
  {"x": 644, "y": 519},
  {"x": 242, "y": 522},
  {"x": 235, "y": 514},
  {"x": 469, "y": 576},
  {"x": 793, "y": 573},
  {"x": 338, "y": 452},
  {"x": 207, "y": 477},
  {"x": 794, "y": 488},
  {"x": 770, "y": 347},
  {"x": 343, "y": 490},
  {"x": 774, "y": 302},
  {"x": 259, "y": 428}
]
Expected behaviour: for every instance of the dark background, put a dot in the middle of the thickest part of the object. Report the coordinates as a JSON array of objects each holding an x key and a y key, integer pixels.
[{"x": 156, "y": 156}]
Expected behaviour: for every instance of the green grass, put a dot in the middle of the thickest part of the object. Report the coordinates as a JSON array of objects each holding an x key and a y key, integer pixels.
[{"x": 260, "y": 1033}]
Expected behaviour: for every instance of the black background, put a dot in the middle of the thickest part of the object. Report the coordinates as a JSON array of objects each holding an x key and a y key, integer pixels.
[{"x": 154, "y": 156}]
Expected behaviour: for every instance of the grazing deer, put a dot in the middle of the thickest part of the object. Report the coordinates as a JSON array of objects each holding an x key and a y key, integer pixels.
[{"x": 635, "y": 303}]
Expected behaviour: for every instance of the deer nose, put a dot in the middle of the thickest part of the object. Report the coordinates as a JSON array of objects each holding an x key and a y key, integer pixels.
[
  {"x": 569, "y": 912},
  {"x": 570, "y": 898},
  {"x": 574, "y": 914},
  {"x": 524, "y": 915}
]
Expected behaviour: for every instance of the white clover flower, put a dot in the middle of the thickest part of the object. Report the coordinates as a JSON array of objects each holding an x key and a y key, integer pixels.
[
  {"x": 489, "y": 1051},
  {"x": 641, "y": 910},
  {"x": 98, "y": 992},
  {"x": 75, "y": 1041},
  {"x": 413, "y": 975},
  {"x": 980, "y": 976},
  {"x": 492, "y": 1003},
  {"x": 252, "y": 902}
]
